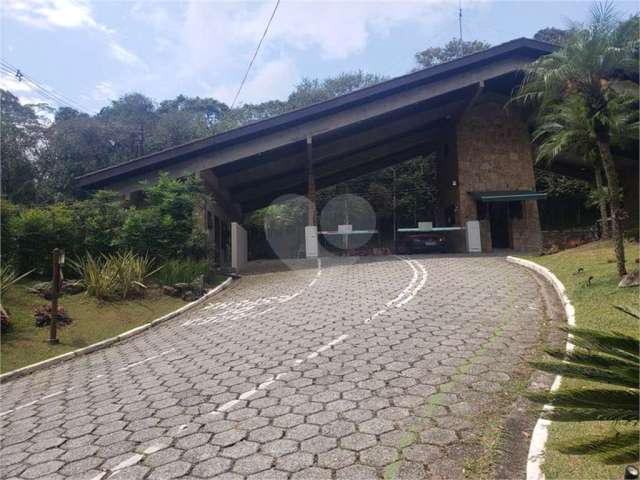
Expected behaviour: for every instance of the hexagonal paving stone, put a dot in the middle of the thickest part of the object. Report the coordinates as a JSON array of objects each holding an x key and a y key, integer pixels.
[
  {"x": 302, "y": 432},
  {"x": 318, "y": 444},
  {"x": 313, "y": 473},
  {"x": 379, "y": 456},
  {"x": 438, "y": 436},
  {"x": 294, "y": 461},
  {"x": 358, "y": 441},
  {"x": 336, "y": 458},
  {"x": 170, "y": 470},
  {"x": 357, "y": 472},
  {"x": 265, "y": 434},
  {"x": 376, "y": 426},
  {"x": 227, "y": 438},
  {"x": 339, "y": 428},
  {"x": 240, "y": 449},
  {"x": 212, "y": 468},
  {"x": 39, "y": 471},
  {"x": 252, "y": 464}
]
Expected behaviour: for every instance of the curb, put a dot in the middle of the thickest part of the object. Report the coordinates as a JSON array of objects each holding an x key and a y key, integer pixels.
[
  {"x": 21, "y": 372},
  {"x": 535, "y": 457}
]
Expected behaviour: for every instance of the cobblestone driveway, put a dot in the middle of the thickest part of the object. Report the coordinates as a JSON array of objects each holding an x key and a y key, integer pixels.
[{"x": 361, "y": 370}]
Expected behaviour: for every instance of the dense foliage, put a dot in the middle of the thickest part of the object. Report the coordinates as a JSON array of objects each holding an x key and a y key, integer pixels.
[{"x": 162, "y": 227}]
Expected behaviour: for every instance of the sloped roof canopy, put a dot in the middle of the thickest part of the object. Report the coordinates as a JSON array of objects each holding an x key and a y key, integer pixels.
[{"x": 355, "y": 133}]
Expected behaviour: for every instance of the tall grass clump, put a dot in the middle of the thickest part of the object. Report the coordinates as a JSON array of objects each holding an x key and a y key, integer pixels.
[
  {"x": 181, "y": 271},
  {"x": 119, "y": 275},
  {"x": 9, "y": 277}
]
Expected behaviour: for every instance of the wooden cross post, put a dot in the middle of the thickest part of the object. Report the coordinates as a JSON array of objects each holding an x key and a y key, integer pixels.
[{"x": 58, "y": 260}]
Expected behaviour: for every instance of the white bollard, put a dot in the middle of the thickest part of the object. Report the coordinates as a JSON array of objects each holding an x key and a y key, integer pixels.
[{"x": 311, "y": 241}]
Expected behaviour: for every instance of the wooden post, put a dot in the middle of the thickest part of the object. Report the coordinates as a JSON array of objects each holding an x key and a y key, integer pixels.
[
  {"x": 311, "y": 184},
  {"x": 58, "y": 258}
]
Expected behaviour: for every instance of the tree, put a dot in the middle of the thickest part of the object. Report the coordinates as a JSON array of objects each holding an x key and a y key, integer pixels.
[
  {"x": 588, "y": 66},
  {"x": 76, "y": 143},
  {"x": 21, "y": 140},
  {"x": 553, "y": 35},
  {"x": 453, "y": 49},
  {"x": 565, "y": 130}
]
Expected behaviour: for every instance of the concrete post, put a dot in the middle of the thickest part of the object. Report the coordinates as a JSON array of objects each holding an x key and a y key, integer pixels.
[
  {"x": 239, "y": 247},
  {"x": 311, "y": 241}
]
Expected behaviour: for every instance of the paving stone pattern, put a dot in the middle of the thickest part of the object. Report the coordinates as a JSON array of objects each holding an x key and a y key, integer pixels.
[{"x": 287, "y": 375}]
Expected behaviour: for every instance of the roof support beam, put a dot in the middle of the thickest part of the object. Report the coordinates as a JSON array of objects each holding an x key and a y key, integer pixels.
[
  {"x": 282, "y": 183},
  {"x": 330, "y": 178},
  {"x": 328, "y": 149}
]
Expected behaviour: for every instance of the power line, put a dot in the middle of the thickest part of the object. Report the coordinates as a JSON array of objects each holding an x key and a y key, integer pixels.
[
  {"x": 57, "y": 98},
  {"x": 255, "y": 54}
]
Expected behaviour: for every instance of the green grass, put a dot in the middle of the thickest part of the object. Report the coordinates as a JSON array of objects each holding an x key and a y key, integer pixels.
[
  {"x": 93, "y": 321},
  {"x": 594, "y": 309}
]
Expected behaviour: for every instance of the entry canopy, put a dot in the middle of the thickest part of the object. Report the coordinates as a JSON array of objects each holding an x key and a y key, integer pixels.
[{"x": 508, "y": 196}]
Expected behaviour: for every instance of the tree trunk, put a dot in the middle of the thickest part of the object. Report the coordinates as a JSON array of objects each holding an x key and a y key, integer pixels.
[
  {"x": 614, "y": 200},
  {"x": 602, "y": 203}
]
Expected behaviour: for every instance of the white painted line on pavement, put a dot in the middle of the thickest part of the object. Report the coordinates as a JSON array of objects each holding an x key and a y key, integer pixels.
[
  {"x": 323, "y": 348},
  {"x": 126, "y": 367},
  {"x": 54, "y": 394},
  {"x": 7, "y": 412},
  {"x": 266, "y": 311},
  {"x": 248, "y": 394},
  {"x": 419, "y": 287},
  {"x": 128, "y": 462},
  {"x": 155, "y": 447}
]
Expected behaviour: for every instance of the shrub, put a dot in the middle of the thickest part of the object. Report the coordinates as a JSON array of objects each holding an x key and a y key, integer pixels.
[
  {"x": 101, "y": 219},
  {"x": 8, "y": 212},
  {"x": 43, "y": 316},
  {"x": 163, "y": 227},
  {"x": 119, "y": 275},
  {"x": 181, "y": 271},
  {"x": 37, "y": 231}
]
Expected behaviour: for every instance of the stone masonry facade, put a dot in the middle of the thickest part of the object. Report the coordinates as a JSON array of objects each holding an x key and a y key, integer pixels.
[{"x": 494, "y": 154}]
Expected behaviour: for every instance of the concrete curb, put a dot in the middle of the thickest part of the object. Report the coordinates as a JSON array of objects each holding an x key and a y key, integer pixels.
[
  {"x": 21, "y": 372},
  {"x": 540, "y": 433}
]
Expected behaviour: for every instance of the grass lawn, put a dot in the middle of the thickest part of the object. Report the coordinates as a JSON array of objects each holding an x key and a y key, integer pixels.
[
  {"x": 594, "y": 310},
  {"x": 93, "y": 321}
]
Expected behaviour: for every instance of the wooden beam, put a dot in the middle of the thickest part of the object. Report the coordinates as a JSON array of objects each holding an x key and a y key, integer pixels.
[
  {"x": 324, "y": 150},
  {"x": 282, "y": 183},
  {"x": 311, "y": 185}
]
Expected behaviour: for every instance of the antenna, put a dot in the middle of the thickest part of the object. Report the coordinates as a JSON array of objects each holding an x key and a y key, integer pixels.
[{"x": 460, "y": 25}]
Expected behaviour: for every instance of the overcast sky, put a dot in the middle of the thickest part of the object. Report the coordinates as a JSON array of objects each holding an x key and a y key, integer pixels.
[{"x": 94, "y": 51}]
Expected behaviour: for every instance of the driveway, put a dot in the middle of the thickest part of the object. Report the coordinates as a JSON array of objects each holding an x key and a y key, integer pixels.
[{"x": 383, "y": 367}]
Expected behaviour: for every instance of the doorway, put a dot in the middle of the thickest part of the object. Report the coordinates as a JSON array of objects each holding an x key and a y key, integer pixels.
[{"x": 499, "y": 220}]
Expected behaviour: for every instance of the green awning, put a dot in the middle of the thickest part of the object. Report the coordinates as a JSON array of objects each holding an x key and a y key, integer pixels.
[{"x": 508, "y": 196}]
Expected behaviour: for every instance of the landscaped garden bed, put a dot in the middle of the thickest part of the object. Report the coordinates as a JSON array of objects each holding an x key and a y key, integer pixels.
[{"x": 91, "y": 321}]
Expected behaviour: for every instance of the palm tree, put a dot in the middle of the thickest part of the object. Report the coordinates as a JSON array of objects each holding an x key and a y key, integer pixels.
[
  {"x": 588, "y": 66},
  {"x": 564, "y": 129}
]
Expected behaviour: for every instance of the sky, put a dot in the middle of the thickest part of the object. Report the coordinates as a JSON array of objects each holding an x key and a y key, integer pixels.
[{"x": 93, "y": 51}]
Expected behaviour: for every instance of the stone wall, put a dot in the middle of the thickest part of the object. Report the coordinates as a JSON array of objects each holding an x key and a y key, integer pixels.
[{"x": 494, "y": 153}]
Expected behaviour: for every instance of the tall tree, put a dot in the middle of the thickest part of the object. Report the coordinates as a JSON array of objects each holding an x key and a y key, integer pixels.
[
  {"x": 452, "y": 49},
  {"x": 588, "y": 66},
  {"x": 21, "y": 139},
  {"x": 564, "y": 130}
]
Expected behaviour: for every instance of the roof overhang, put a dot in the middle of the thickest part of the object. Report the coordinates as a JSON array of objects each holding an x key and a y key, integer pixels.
[{"x": 352, "y": 134}]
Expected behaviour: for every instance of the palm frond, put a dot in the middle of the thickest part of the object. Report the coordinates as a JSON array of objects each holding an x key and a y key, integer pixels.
[
  {"x": 591, "y": 398},
  {"x": 615, "y": 449}
]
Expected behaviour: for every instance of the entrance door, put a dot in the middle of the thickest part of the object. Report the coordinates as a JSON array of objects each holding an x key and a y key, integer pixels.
[{"x": 499, "y": 218}]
